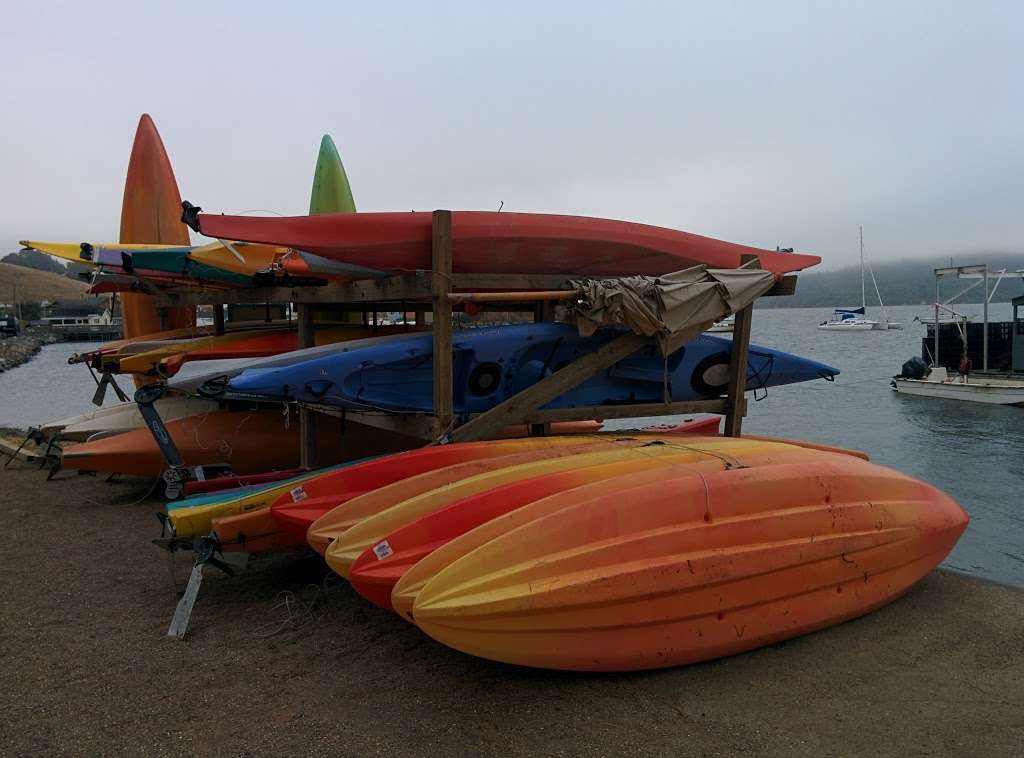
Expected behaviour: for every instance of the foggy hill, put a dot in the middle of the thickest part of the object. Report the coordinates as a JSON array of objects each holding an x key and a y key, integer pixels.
[
  {"x": 906, "y": 282},
  {"x": 43, "y": 262}
]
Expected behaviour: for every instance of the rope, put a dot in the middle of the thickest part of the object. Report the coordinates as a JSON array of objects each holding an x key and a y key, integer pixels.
[{"x": 142, "y": 499}]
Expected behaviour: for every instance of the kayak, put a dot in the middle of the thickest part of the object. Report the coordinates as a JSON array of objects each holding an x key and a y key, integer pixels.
[
  {"x": 150, "y": 212},
  {"x": 251, "y": 441},
  {"x": 491, "y": 364},
  {"x": 496, "y": 243},
  {"x": 336, "y": 522},
  {"x": 681, "y": 566},
  {"x": 331, "y": 191},
  {"x": 443, "y": 528},
  {"x": 292, "y": 515},
  {"x": 192, "y": 517},
  {"x": 166, "y": 358},
  {"x": 124, "y": 417},
  {"x": 579, "y": 465},
  {"x": 413, "y": 532}
]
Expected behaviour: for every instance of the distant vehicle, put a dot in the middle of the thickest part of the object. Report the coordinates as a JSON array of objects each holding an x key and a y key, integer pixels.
[{"x": 8, "y": 326}]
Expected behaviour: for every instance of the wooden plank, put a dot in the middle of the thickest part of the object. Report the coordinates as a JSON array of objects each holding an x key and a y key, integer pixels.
[
  {"x": 639, "y": 410},
  {"x": 419, "y": 425},
  {"x": 390, "y": 289},
  {"x": 517, "y": 408},
  {"x": 783, "y": 288},
  {"x": 441, "y": 287},
  {"x": 737, "y": 406},
  {"x": 307, "y": 417},
  {"x": 387, "y": 289}
]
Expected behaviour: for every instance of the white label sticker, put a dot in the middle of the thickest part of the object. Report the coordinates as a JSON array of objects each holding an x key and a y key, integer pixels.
[
  {"x": 382, "y": 550},
  {"x": 297, "y": 494}
]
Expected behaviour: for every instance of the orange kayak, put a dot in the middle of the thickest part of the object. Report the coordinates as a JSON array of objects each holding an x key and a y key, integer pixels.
[
  {"x": 251, "y": 441},
  {"x": 166, "y": 359},
  {"x": 675, "y": 567},
  {"x": 150, "y": 214}
]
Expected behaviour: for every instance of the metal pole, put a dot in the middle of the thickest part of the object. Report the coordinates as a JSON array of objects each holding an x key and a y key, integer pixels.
[
  {"x": 863, "y": 297},
  {"x": 984, "y": 334},
  {"x": 935, "y": 358}
]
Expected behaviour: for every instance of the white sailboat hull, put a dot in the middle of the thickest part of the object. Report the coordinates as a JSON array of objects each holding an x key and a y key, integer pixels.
[
  {"x": 849, "y": 326},
  {"x": 989, "y": 391}
]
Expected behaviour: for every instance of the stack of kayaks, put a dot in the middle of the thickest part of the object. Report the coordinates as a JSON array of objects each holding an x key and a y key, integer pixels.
[
  {"x": 583, "y": 549},
  {"x": 606, "y": 552}
]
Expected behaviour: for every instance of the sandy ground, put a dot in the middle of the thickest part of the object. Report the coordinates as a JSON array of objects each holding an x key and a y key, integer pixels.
[{"x": 87, "y": 669}]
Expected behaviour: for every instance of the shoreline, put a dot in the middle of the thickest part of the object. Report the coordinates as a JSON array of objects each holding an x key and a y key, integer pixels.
[
  {"x": 18, "y": 350},
  {"x": 89, "y": 669}
]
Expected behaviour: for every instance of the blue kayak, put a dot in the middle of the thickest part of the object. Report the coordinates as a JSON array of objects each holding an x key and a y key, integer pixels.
[{"x": 491, "y": 364}]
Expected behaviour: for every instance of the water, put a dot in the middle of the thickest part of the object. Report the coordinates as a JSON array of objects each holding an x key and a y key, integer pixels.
[{"x": 971, "y": 451}]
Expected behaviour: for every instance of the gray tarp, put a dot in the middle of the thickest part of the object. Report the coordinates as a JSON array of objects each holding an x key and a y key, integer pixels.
[{"x": 672, "y": 308}]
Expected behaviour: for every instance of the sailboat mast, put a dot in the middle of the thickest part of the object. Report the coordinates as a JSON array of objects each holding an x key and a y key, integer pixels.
[{"x": 863, "y": 297}]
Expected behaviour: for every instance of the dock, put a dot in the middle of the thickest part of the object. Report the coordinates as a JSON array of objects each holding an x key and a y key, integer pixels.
[{"x": 88, "y": 669}]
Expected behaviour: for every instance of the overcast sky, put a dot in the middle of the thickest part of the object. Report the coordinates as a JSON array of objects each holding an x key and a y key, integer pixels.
[{"x": 767, "y": 123}]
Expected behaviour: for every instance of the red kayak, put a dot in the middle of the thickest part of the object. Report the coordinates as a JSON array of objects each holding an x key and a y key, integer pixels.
[
  {"x": 325, "y": 493},
  {"x": 496, "y": 243}
]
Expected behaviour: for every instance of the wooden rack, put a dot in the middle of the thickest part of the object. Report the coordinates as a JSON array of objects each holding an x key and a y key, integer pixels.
[{"x": 441, "y": 291}]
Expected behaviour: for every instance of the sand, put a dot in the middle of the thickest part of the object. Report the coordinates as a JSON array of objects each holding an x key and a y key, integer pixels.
[{"x": 88, "y": 670}]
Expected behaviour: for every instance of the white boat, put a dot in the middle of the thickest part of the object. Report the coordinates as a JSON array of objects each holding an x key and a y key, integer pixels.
[
  {"x": 854, "y": 319},
  {"x": 725, "y": 325},
  {"x": 982, "y": 387},
  {"x": 975, "y": 389},
  {"x": 848, "y": 320}
]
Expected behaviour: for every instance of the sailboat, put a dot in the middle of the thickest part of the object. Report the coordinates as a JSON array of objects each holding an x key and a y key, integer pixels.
[{"x": 855, "y": 319}]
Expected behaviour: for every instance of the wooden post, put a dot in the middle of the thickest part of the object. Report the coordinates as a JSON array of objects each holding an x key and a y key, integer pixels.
[
  {"x": 307, "y": 417},
  {"x": 441, "y": 285},
  {"x": 218, "y": 318},
  {"x": 736, "y": 404}
]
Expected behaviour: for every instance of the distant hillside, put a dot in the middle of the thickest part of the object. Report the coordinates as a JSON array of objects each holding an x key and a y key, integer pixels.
[
  {"x": 35, "y": 285},
  {"x": 43, "y": 262},
  {"x": 907, "y": 282}
]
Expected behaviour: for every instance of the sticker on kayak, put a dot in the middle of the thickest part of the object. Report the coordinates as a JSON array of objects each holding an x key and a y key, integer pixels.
[
  {"x": 382, "y": 550},
  {"x": 297, "y": 494}
]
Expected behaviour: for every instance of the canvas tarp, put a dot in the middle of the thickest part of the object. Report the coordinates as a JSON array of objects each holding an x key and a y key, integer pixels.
[{"x": 673, "y": 308}]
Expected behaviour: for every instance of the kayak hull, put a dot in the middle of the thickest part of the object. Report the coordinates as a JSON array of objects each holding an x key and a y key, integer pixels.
[
  {"x": 400, "y": 537},
  {"x": 681, "y": 569},
  {"x": 492, "y": 364},
  {"x": 250, "y": 441},
  {"x": 150, "y": 214},
  {"x": 499, "y": 243}
]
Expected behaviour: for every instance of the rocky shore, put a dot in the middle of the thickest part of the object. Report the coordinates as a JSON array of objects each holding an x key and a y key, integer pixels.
[{"x": 17, "y": 350}]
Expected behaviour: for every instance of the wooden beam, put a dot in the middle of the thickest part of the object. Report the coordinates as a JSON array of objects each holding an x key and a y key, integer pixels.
[
  {"x": 307, "y": 417},
  {"x": 517, "y": 408},
  {"x": 639, "y": 410},
  {"x": 218, "y": 318},
  {"x": 783, "y": 288},
  {"x": 441, "y": 287},
  {"x": 510, "y": 297},
  {"x": 419, "y": 425},
  {"x": 736, "y": 403}
]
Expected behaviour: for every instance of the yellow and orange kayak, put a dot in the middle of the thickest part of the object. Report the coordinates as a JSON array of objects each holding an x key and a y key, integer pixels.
[
  {"x": 674, "y": 565},
  {"x": 579, "y": 464}
]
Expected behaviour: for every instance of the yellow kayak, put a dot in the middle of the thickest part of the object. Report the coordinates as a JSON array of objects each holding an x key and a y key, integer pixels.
[
  {"x": 581, "y": 465},
  {"x": 250, "y": 259}
]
